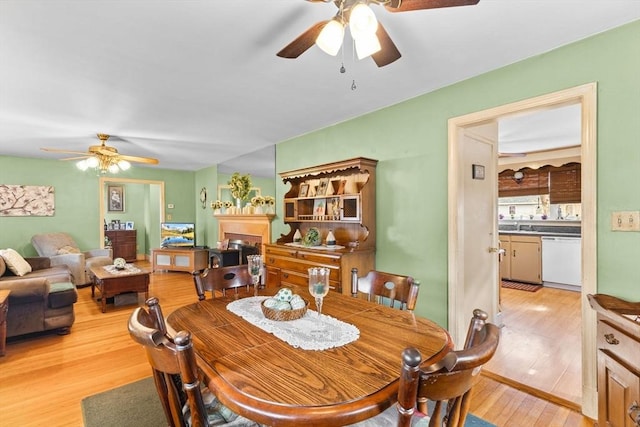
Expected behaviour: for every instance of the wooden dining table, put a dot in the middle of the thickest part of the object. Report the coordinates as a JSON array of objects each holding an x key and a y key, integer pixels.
[{"x": 268, "y": 380}]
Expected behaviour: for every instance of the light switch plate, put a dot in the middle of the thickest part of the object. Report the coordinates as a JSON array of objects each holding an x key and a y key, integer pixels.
[
  {"x": 625, "y": 221},
  {"x": 170, "y": 206}
]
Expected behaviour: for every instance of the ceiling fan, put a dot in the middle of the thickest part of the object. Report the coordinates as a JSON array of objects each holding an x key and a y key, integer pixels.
[
  {"x": 370, "y": 37},
  {"x": 103, "y": 157}
]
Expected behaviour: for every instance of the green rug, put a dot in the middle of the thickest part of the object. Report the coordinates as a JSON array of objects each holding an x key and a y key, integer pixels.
[{"x": 136, "y": 405}]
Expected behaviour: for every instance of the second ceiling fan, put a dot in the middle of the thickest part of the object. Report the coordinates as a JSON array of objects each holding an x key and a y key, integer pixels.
[{"x": 370, "y": 37}]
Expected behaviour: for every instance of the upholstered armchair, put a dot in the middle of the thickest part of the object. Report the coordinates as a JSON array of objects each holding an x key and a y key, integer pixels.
[{"x": 62, "y": 249}]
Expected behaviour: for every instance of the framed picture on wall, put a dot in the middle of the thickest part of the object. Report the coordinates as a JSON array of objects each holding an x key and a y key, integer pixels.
[
  {"x": 129, "y": 225},
  {"x": 115, "y": 198}
]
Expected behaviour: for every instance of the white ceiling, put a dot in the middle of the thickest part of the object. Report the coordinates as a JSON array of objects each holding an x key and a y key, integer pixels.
[{"x": 196, "y": 83}]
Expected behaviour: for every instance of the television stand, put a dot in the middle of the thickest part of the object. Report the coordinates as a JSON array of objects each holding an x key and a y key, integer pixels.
[{"x": 189, "y": 260}]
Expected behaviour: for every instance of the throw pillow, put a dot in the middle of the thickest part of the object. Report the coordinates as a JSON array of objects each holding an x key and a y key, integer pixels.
[
  {"x": 3, "y": 266},
  {"x": 18, "y": 265},
  {"x": 68, "y": 250}
]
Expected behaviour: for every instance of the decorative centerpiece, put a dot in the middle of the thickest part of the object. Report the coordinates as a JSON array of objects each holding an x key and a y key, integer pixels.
[
  {"x": 270, "y": 201},
  {"x": 119, "y": 263},
  {"x": 240, "y": 188},
  {"x": 284, "y": 306}
]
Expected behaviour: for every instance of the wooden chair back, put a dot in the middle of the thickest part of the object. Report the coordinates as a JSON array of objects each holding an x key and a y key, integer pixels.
[
  {"x": 221, "y": 279},
  {"x": 173, "y": 365},
  {"x": 386, "y": 288},
  {"x": 450, "y": 381}
]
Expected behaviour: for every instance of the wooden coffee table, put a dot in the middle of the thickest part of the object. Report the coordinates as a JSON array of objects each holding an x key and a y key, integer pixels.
[{"x": 111, "y": 282}]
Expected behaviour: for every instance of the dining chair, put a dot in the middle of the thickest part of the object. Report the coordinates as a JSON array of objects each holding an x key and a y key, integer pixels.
[
  {"x": 221, "y": 279},
  {"x": 389, "y": 289},
  {"x": 448, "y": 382},
  {"x": 185, "y": 401}
]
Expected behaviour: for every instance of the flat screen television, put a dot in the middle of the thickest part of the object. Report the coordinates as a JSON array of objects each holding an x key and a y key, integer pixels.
[{"x": 177, "y": 234}]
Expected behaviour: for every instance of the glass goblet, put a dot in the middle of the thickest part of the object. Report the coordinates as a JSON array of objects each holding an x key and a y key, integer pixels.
[
  {"x": 254, "y": 265},
  {"x": 319, "y": 285}
]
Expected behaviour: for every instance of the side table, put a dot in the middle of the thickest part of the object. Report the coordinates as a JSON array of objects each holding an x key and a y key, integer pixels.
[{"x": 4, "y": 307}]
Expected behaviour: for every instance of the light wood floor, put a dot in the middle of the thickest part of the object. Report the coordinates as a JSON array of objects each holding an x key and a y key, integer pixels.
[
  {"x": 540, "y": 344},
  {"x": 44, "y": 378}
]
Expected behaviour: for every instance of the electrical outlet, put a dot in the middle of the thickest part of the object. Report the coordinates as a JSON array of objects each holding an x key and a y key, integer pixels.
[
  {"x": 625, "y": 221},
  {"x": 170, "y": 206},
  {"x": 169, "y": 217}
]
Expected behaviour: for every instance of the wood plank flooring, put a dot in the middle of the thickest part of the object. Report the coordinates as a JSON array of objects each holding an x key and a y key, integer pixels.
[
  {"x": 540, "y": 345},
  {"x": 44, "y": 378}
]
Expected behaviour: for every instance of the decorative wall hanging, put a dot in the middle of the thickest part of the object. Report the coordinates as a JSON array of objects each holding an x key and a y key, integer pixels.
[{"x": 26, "y": 200}]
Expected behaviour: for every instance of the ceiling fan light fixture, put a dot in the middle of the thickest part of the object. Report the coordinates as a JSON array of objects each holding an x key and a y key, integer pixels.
[
  {"x": 367, "y": 46},
  {"x": 362, "y": 21},
  {"x": 113, "y": 168},
  {"x": 82, "y": 165},
  {"x": 124, "y": 165},
  {"x": 92, "y": 162},
  {"x": 330, "y": 38}
]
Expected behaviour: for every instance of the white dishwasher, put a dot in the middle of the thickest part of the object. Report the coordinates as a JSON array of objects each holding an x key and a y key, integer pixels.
[{"x": 561, "y": 261}]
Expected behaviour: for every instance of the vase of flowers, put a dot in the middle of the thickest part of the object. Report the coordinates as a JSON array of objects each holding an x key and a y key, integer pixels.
[
  {"x": 257, "y": 202},
  {"x": 217, "y": 207},
  {"x": 240, "y": 188},
  {"x": 270, "y": 201}
]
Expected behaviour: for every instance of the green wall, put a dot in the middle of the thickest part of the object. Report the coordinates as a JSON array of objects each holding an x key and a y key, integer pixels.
[{"x": 410, "y": 141}]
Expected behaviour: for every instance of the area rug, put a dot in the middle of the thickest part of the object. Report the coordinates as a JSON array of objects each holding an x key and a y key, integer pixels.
[
  {"x": 137, "y": 405},
  {"x": 132, "y": 405},
  {"x": 521, "y": 286}
]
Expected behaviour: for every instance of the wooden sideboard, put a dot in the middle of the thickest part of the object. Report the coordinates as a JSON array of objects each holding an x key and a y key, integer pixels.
[
  {"x": 289, "y": 265},
  {"x": 123, "y": 244},
  {"x": 180, "y": 259},
  {"x": 337, "y": 197},
  {"x": 618, "y": 361}
]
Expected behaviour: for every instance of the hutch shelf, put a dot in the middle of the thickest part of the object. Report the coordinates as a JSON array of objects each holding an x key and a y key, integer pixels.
[{"x": 339, "y": 197}]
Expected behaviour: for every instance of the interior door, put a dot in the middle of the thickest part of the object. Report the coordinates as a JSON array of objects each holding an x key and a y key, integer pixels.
[{"x": 476, "y": 222}]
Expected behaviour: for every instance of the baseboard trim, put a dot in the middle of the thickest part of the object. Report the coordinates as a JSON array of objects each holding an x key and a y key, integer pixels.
[{"x": 533, "y": 391}]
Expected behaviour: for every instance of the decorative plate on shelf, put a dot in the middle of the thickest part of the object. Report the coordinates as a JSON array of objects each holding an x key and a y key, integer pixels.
[{"x": 312, "y": 237}]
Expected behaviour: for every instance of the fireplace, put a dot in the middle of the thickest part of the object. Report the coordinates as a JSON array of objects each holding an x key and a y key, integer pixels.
[{"x": 254, "y": 229}]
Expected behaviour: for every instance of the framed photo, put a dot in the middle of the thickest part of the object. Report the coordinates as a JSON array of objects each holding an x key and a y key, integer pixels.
[
  {"x": 115, "y": 201},
  {"x": 304, "y": 190},
  {"x": 333, "y": 207},
  {"x": 477, "y": 172},
  {"x": 319, "y": 207},
  {"x": 322, "y": 187},
  {"x": 129, "y": 225}
]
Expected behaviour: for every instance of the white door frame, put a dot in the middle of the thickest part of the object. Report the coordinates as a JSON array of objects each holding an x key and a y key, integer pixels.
[{"x": 585, "y": 95}]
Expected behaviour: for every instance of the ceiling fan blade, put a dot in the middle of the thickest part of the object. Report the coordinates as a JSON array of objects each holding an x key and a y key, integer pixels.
[
  {"x": 388, "y": 52},
  {"x": 303, "y": 42},
  {"x": 512, "y": 154},
  {"x": 76, "y": 158},
  {"x": 56, "y": 150},
  {"x": 407, "y": 5},
  {"x": 148, "y": 160}
]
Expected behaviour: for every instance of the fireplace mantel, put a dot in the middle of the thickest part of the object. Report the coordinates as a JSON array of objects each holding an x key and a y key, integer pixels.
[{"x": 255, "y": 228}]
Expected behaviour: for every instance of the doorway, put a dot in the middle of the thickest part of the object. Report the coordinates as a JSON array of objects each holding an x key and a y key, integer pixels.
[
  {"x": 459, "y": 255},
  {"x": 152, "y": 221}
]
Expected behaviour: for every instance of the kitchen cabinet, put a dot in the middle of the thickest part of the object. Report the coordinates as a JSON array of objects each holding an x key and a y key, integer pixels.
[
  {"x": 177, "y": 259},
  {"x": 618, "y": 344},
  {"x": 523, "y": 260},
  {"x": 123, "y": 244},
  {"x": 505, "y": 259},
  {"x": 338, "y": 197}
]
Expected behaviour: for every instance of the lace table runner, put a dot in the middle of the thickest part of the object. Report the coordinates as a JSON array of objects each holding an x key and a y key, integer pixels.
[
  {"x": 128, "y": 269},
  {"x": 297, "y": 333}
]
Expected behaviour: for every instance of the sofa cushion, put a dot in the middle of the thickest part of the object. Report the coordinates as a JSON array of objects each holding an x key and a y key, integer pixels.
[
  {"x": 62, "y": 294},
  {"x": 18, "y": 265},
  {"x": 3, "y": 266},
  {"x": 68, "y": 250}
]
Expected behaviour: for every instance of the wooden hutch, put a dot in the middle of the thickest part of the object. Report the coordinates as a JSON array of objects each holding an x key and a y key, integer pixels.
[{"x": 339, "y": 197}]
